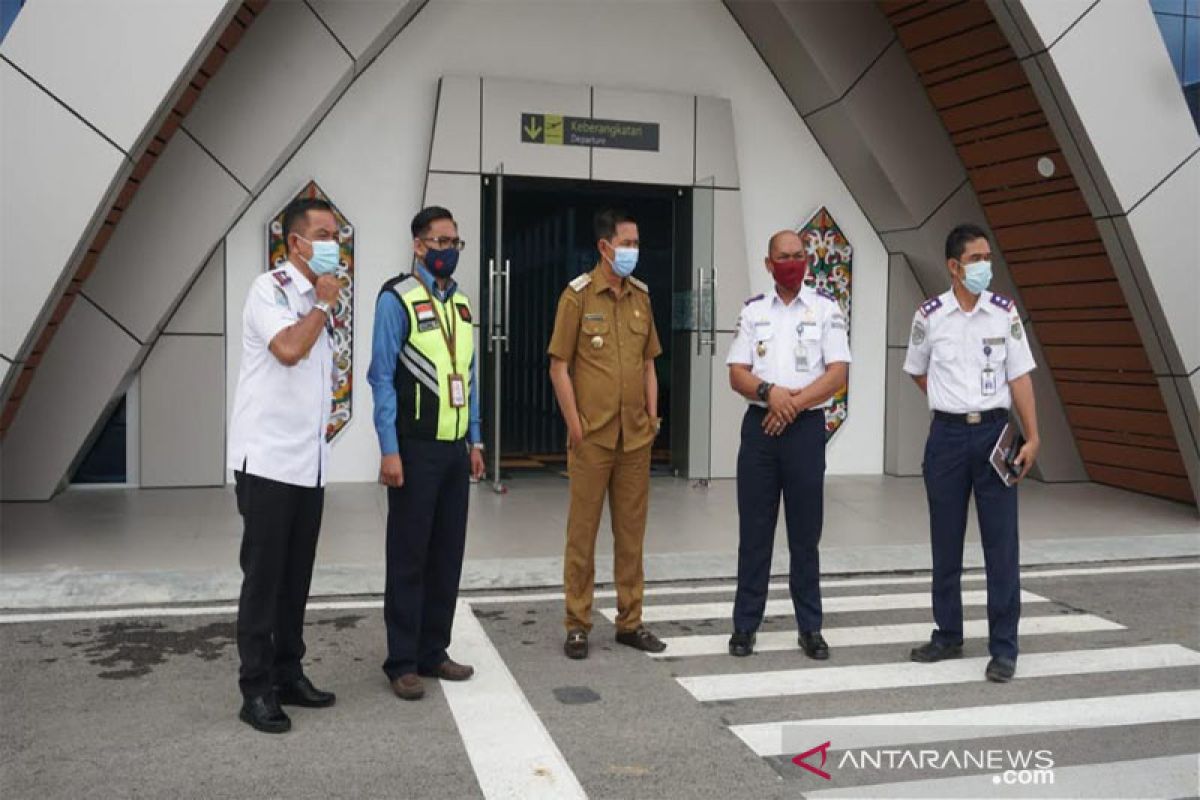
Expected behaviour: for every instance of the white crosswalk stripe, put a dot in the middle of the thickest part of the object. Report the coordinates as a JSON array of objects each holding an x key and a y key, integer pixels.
[
  {"x": 820, "y": 680},
  {"x": 1172, "y": 775},
  {"x": 777, "y": 608},
  {"x": 1167, "y": 776},
  {"x": 974, "y": 722},
  {"x": 716, "y": 644}
]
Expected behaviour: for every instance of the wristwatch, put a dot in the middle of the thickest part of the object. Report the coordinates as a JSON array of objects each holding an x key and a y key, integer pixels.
[
  {"x": 763, "y": 390},
  {"x": 477, "y": 446},
  {"x": 325, "y": 309}
]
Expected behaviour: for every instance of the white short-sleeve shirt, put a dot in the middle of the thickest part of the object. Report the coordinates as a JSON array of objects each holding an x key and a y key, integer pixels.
[
  {"x": 790, "y": 344},
  {"x": 968, "y": 358},
  {"x": 280, "y": 413}
]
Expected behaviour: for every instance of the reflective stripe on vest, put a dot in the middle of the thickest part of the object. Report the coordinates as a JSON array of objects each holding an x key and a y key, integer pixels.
[{"x": 425, "y": 356}]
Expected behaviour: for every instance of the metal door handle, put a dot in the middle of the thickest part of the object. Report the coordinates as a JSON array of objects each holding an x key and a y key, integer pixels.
[
  {"x": 491, "y": 333},
  {"x": 507, "y": 296}
]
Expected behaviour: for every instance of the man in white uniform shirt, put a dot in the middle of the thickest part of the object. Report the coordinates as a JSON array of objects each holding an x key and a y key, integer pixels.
[
  {"x": 279, "y": 455},
  {"x": 968, "y": 353},
  {"x": 788, "y": 359}
]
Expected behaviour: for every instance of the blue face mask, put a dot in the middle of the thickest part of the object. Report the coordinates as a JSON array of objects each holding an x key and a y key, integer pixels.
[
  {"x": 441, "y": 263},
  {"x": 325, "y": 257},
  {"x": 978, "y": 276},
  {"x": 624, "y": 260}
]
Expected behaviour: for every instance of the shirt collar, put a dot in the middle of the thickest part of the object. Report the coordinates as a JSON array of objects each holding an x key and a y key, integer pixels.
[
  {"x": 804, "y": 296},
  {"x": 983, "y": 305},
  {"x": 303, "y": 285},
  {"x": 431, "y": 283},
  {"x": 600, "y": 281}
]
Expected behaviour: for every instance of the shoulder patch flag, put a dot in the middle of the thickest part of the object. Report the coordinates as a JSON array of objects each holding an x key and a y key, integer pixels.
[
  {"x": 1004, "y": 302},
  {"x": 931, "y": 305}
]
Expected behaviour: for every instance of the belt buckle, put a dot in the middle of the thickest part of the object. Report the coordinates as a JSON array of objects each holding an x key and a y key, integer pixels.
[{"x": 974, "y": 417}]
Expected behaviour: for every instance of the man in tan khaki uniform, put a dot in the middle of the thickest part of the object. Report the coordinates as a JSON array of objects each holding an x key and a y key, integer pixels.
[{"x": 602, "y": 356}]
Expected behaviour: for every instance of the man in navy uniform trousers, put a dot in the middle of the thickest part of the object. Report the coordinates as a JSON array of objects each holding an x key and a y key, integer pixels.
[
  {"x": 969, "y": 354},
  {"x": 789, "y": 357},
  {"x": 279, "y": 456},
  {"x": 423, "y": 380}
]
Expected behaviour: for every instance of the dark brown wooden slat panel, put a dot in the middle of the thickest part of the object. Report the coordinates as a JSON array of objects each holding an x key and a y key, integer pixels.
[
  {"x": 1018, "y": 172},
  {"x": 1057, "y": 184},
  {"x": 1105, "y": 376},
  {"x": 891, "y": 7},
  {"x": 981, "y": 60},
  {"x": 1068, "y": 357},
  {"x": 1166, "y": 486},
  {"x": 1095, "y": 248},
  {"x": 1142, "y": 398},
  {"x": 915, "y": 10},
  {"x": 1166, "y": 462},
  {"x": 1033, "y": 119},
  {"x": 959, "y": 52},
  {"x": 977, "y": 85},
  {"x": 947, "y": 22},
  {"x": 1043, "y": 234},
  {"x": 1119, "y": 332},
  {"x": 1036, "y": 209},
  {"x": 991, "y": 109},
  {"x": 1083, "y": 295},
  {"x": 1067, "y": 270},
  {"x": 1078, "y": 314},
  {"x": 1119, "y": 419},
  {"x": 1122, "y": 437},
  {"x": 1008, "y": 147}
]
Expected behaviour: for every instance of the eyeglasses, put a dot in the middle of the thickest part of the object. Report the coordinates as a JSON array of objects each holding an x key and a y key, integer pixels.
[{"x": 443, "y": 242}]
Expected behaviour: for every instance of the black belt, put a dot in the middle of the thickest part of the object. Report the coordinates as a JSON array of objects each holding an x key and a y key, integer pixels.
[{"x": 973, "y": 417}]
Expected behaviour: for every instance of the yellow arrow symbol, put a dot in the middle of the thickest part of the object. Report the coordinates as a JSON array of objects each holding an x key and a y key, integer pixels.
[{"x": 532, "y": 129}]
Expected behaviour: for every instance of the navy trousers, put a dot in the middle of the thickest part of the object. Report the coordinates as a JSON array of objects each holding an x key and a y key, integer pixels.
[
  {"x": 426, "y": 537},
  {"x": 957, "y": 465},
  {"x": 791, "y": 464}
]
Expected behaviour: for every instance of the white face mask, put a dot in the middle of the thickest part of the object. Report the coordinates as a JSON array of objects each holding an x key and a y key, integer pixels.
[{"x": 977, "y": 275}]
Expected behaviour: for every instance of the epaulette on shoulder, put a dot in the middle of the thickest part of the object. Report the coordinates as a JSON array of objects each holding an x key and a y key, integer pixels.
[
  {"x": 754, "y": 299},
  {"x": 281, "y": 276},
  {"x": 931, "y": 305},
  {"x": 581, "y": 283},
  {"x": 1004, "y": 302},
  {"x": 639, "y": 284},
  {"x": 828, "y": 295}
]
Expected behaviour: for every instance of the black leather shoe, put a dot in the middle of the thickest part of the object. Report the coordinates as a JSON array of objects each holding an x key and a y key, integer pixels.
[
  {"x": 576, "y": 646},
  {"x": 301, "y": 692},
  {"x": 814, "y": 645},
  {"x": 741, "y": 644},
  {"x": 935, "y": 651},
  {"x": 1000, "y": 670},
  {"x": 641, "y": 639},
  {"x": 264, "y": 714}
]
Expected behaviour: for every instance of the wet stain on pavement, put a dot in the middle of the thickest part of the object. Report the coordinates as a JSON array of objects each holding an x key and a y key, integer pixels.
[
  {"x": 132, "y": 649},
  {"x": 339, "y": 623},
  {"x": 575, "y": 695}
]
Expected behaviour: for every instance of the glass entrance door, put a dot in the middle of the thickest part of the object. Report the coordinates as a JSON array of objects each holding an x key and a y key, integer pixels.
[{"x": 702, "y": 332}]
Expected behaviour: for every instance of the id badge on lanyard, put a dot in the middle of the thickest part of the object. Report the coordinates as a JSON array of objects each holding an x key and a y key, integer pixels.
[
  {"x": 987, "y": 378},
  {"x": 458, "y": 391}
]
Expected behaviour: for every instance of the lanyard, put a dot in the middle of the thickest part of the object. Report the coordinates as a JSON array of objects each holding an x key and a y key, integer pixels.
[{"x": 449, "y": 331}]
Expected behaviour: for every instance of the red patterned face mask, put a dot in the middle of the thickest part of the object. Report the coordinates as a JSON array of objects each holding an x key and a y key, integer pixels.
[{"x": 790, "y": 274}]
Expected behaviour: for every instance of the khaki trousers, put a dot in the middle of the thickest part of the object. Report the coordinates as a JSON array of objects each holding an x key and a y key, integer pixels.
[{"x": 625, "y": 476}]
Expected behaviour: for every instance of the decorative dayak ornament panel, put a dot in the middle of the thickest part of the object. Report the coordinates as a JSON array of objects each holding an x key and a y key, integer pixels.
[
  {"x": 829, "y": 257},
  {"x": 343, "y": 312}
]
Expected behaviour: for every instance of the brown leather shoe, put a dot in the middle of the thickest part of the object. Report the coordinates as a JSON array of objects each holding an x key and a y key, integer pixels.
[
  {"x": 449, "y": 670},
  {"x": 409, "y": 686},
  {"x": 576, "y": 646},
  {"x": 641, "y": 639}
]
